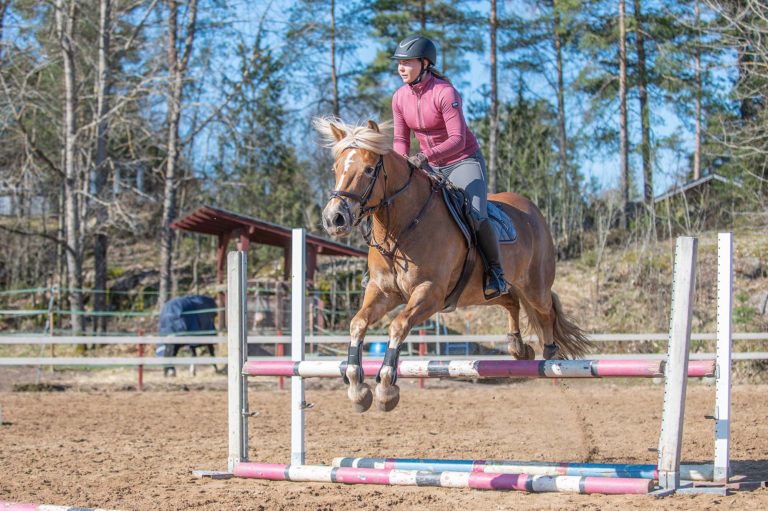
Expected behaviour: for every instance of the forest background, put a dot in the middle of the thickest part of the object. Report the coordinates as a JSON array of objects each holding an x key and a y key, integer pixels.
[{"x": 118, "y": 116}]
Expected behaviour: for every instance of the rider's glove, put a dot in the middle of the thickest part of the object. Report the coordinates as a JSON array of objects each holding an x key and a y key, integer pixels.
[{"x": 417, "y": 160}]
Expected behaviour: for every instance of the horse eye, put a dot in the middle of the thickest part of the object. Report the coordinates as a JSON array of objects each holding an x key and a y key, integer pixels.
[{"x": 369, "y": 170}]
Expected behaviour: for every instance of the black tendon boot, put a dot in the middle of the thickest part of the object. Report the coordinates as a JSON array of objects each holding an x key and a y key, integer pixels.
[{"x": 495, "y": 284}]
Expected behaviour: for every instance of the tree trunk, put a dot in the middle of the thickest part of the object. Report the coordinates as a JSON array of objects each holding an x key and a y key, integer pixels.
[
  {"x": 100, "y": 167},
  {"x": 623, "y": 137},
  {"x": 423, "y": 20},
  {"x": 334, "y": 79},
  {"x": 562, "y": 139},
  {"x": 176, "y": 71},
  {"x": 65, "y": 13},
  {"x": 697, "y": 71},
  {"x": 645, "y": 115},
  {"x": 3, "y": 8},
  {"x": 493, "y": 137}
]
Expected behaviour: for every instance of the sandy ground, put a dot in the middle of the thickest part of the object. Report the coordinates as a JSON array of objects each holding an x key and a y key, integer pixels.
[{"x": 99, "y": 446}]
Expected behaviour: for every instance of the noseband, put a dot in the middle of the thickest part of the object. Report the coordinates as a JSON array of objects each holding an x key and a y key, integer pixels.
[
  {"x": 366, "y": 196},
  {"x": 367, "y": 211}
]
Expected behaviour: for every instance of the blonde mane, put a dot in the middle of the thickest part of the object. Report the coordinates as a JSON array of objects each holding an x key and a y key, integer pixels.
[{"x": 360, "y": 136}]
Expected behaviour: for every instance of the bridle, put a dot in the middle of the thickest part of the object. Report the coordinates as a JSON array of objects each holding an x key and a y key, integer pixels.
[{"x": 366, "y": 212}]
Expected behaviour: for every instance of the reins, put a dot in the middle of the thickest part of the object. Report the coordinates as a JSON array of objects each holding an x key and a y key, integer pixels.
[{"x": 368, "y": 211}]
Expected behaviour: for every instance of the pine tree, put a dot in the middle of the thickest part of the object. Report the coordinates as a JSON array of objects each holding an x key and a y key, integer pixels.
[{"x": 452, "y": 25}]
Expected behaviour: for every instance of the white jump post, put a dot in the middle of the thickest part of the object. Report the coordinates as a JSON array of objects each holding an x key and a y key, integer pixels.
[
  {"x": 676, "y": 374},
  {"x": 298, "y": 320},
  {"x": 237, "y": 345},
  {"x": 723, "y": 357}
]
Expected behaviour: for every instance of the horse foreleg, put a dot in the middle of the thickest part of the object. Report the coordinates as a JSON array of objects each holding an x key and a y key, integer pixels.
[
  {"x": 375, "y": 304},
  {"x": 424, "y": 301}
]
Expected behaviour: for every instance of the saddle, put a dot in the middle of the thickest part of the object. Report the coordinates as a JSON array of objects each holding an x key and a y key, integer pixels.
[{"x": 460, "y": 208}]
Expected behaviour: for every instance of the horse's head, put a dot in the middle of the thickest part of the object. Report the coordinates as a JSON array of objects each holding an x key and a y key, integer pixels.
[{"x": 359, "y": 162}]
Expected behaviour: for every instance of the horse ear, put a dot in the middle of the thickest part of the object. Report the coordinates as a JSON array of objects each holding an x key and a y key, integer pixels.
[
  {"x": 372, "y": 125},
  {"x": 338, "y": 133}
]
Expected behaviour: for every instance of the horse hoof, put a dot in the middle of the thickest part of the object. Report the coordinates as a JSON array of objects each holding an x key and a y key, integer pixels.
[
  {"x": 362, "y": 398},
  {"x": 551, "y": 352},
  {"x": 521, "y": 351},
  {"x": 528, "y": 353},
  {"x": 387, "y": 397},
  {"x": 517, "y": 347}
]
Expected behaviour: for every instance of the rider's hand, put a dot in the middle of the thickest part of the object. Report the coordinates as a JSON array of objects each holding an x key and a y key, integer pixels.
[{"x": 417, "y": 160}]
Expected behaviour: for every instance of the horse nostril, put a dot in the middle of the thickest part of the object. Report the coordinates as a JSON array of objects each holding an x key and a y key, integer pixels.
[{"x": 338, "y": 220}]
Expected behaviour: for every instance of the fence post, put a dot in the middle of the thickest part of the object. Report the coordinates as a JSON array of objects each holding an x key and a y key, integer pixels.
[
  {"x": 676, "y": 373},
  {"x": 140, "y": 367}
]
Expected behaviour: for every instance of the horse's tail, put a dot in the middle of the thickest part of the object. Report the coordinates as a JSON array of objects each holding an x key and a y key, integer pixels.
[{"x": 569, "y": 338}]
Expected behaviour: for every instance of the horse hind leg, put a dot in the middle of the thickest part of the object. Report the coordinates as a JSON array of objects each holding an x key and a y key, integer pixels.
[
  {"x": 515, "y": 344},
  {"x": 560, "y": 338}
]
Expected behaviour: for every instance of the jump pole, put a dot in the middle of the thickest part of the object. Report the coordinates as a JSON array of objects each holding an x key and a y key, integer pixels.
[
  {"x": 690, "y": 472},
  {"x": 610, "y": 368}
]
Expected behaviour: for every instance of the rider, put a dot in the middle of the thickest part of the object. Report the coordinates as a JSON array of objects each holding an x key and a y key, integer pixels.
[{"x": 429, "y": 105}]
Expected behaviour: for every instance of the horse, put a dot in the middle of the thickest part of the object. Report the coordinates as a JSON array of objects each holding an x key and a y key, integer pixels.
[{"x": 417, "y": 252}]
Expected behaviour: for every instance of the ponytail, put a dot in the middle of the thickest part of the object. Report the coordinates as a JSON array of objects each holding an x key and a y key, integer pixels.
[{"x": 439, "y": 75}]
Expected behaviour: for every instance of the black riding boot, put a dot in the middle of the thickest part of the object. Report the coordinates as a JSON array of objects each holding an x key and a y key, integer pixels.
[{"x": 495, "y": 284}]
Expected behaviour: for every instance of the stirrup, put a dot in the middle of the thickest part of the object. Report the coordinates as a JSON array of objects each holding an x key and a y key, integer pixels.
[{"x": 495, "y": 285}]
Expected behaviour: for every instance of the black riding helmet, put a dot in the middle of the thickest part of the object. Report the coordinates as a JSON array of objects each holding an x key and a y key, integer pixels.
[{"x": 416, "y": 47}]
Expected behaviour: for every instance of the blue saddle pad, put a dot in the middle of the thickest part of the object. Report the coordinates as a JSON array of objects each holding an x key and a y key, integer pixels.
[{"x": 505, "y": 229}]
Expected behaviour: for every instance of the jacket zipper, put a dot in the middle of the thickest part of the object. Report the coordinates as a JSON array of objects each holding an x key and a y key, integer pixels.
[{"x": 421, "y": 120}]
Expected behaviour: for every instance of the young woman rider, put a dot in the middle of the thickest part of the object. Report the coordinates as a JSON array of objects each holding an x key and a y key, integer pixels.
[{"x": 430, "y": 106}]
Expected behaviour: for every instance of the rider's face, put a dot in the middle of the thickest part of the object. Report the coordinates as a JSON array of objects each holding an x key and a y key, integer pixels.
[{"x": 409, "y": 69}]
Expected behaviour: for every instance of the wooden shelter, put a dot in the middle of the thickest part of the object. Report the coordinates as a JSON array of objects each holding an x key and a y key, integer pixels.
[{"x": 228, "y": 226}]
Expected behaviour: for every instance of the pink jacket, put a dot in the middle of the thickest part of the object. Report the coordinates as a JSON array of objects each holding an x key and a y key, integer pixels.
[{"x": 432, "y": 109}]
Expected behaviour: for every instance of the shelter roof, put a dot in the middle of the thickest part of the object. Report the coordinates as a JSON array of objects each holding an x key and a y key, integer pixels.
[
  {"x": 690, "y": 185},
  {"x": 220, "y": 222}
]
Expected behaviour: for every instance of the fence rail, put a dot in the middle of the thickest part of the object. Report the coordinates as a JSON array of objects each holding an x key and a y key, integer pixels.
[
  {"x": 189, "y": 361},
  {"x": 43, "y": 340}
]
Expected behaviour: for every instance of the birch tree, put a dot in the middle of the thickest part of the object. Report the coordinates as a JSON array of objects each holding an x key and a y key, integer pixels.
[{"x": 66, "y": 10}]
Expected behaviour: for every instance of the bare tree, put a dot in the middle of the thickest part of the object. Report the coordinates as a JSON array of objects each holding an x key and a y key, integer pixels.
[
  {"x": 100, "y": 168},
  {"x": 177, "y": 69},
  {"x": 4, "y": 4},
  {"x": 642, "y": 96},
  {"x": 698, "y": 92},
  {"x": 623, "y": 136},
  {"x": 562, "y": 140},
  {"x": 493, "y": 137},
  {"x": 334, "y": 78},
  {"x": 66, "y": 11}
]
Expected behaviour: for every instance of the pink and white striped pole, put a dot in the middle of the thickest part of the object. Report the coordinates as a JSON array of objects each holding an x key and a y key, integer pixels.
[
  {"x": 606, "y": 368},
  {"x": 475, "y": 480}
]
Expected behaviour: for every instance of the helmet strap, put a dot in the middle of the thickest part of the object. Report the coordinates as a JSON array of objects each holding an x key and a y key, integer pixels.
[{"x": 419, "y": 78}]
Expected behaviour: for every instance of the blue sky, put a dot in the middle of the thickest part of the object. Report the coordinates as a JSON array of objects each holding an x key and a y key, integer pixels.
[{"x": 669, "y": 169}]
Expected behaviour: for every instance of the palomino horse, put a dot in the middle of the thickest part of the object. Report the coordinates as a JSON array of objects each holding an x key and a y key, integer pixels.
[{"x": 417, "y": 253}]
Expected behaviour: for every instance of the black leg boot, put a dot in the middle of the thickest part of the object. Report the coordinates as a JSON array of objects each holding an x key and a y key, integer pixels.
[{"x": 495, "y": 284}]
